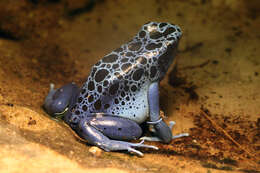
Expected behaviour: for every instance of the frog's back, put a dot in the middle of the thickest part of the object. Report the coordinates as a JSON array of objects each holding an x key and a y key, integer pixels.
[{"x": 118, "y": 83}]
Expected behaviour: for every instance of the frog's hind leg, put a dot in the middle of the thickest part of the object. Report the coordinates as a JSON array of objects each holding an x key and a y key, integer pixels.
[
  {"x": 162, "y": 131},
  {"x": 99, "y": 131}
]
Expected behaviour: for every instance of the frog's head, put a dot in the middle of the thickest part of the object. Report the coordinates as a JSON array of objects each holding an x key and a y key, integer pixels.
[
  {"x": 58, "y": 101},
  {"x": 161, "y": 39}
]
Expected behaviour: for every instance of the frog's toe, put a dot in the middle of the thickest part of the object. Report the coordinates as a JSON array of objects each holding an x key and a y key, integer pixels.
[
  {"x": 135, "y": 151},
  {"x": 131, "y": 146},
  {"x": 180, "y": 135},
  {"x": 150, "y": 138},
  {"x": 140, "y": 144}
]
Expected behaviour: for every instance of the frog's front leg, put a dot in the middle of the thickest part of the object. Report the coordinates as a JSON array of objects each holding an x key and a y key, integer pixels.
[
  {"x": 102, "y": 130},
  {"x": 162, "y": 131}
]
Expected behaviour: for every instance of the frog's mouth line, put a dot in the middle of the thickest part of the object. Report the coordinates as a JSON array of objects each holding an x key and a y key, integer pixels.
[{"x": 61, "y": 114}]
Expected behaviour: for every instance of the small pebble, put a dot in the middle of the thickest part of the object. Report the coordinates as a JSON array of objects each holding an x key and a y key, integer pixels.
[{"x": 95, "y": 151}]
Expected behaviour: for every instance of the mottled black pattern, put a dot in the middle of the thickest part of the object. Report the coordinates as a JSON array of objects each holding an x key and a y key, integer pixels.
[{"x": 115, "y": 80}]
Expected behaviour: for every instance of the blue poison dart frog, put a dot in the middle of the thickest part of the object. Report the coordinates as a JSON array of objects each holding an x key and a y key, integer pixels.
[{"x": 121, "y": 92}]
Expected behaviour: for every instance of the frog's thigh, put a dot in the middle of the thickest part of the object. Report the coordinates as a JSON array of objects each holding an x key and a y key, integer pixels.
[
  {"x": 161, "y": 129},
  {"x": 116, "y": 127}
]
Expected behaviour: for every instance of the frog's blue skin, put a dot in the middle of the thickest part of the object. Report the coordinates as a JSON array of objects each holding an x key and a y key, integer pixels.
[{"x": 121, "y": 92}]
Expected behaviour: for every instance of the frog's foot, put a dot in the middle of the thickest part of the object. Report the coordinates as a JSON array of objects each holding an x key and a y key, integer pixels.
[{"x": 157, "y": 139}]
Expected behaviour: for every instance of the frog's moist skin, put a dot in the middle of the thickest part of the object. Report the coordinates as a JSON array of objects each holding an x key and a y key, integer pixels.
[{"x": 122, "y": 91}]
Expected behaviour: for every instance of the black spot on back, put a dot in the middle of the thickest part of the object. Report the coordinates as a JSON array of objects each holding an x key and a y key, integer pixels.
[
  {"x": 126, "y": 67},
  {"x": 115, "y": 66},
  {"x": 133, "y": 88},
  {"x": 110, "y": 58},
  {"x": 118, "y": 50},
  {"x": 123, "y": 94},
  {"x": 129, "y": 54},
  {"x": 162, "y": 25},
  {"x": 138, "y": 74},
  {"x": 105, "y": 83},
  {"x": 90, "y": 98},
  {"x": 100, "y": 75},
  {"x": 98, "y": 104},
  {"x": 85, "y": 108},
  {"x": 155, "y": 35},
  {"x": 124, "y": 60},
  {"x": 135, "y": 46},
  {"x": 142, "y": 34},
  {"x": 153, "y": 46},
  {"x": 169, "y": 31},
  {"x": 99, "y": 89},
  {"x": 91, "y": 86},
  {"x": 113, "y": 89}
]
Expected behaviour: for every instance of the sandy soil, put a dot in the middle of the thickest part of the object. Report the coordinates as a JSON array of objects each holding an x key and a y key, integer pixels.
[{"x": 212, "y": 92}]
